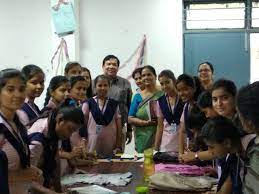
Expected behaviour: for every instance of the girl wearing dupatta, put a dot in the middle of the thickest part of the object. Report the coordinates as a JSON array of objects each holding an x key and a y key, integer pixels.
[
  {"x": 103, "y": 121},
  {"x": 169, "y": 111},
  {"x": 142, "y": 112},
  {"x": 45, "y": 137}
]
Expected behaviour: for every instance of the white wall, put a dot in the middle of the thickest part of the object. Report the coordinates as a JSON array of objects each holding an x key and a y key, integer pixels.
[
  {"x": 25, "y": 35},
  {"x": 116, "y": 27},
  {"x": 105, "y": 27}
]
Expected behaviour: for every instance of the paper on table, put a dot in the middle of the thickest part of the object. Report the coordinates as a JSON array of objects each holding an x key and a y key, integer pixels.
[
  {"x": 139, "y": 155},
  {"x": 116, "y": 179},
  {"x": 92, "y": 189},
  {"x": 140, "y": 160}
]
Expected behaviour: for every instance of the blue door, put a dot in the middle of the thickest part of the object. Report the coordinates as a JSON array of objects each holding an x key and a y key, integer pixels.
[{"x": 229, "y": 52}]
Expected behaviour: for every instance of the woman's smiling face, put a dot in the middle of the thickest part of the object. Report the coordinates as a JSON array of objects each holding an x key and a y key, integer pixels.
[
  {"x": 148, "y": 77},
  {"x": 223, "y": 102}
]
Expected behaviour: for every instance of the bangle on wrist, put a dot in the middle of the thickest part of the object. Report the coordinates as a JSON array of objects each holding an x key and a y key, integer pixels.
[{"x": 196, "y": 156}]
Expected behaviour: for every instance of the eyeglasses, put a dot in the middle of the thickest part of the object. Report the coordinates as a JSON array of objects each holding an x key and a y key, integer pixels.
[{"x": 205, "y": 70}]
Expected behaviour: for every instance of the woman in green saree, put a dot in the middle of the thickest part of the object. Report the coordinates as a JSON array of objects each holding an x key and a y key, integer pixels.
[{"x": 142, "y": 111}]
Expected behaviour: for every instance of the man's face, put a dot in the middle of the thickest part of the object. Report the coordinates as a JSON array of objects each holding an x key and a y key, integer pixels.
[{"x": 111, "y": 67}]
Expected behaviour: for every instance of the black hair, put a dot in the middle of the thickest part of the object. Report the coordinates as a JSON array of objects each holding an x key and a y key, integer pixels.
[
  {"x": 68, "y": 112},
  {"x": 196, "y": 119},
  {"x": 136, "y": 71},
  {"x": 86, "y": 69},
  {"x": 7, "y": 74},
  {"x": 150, "y": 68},
  {"x": 89, "y": 91},
  {"x": 219, "y": 129},
  {"x": 169, "y": 74},
  {"x": 209, "y": 64},
  {"x": 205, "y": 100},
  {"x": 198, "y": 88},
  {"x": 101, "y": 77},
  {"x": 75, "y": 79},
  {"x": 228, "y": 86},
  {"x": 108, "y": 57},
  {"x": 187, "y": 79},
  {"x": 248, "y": 103},
  {"x": 1, "y": 133},
  {"x": 31, "y": 70},
  {"x": 54, "y": 83},
  {"x": 70, "y": 65}
]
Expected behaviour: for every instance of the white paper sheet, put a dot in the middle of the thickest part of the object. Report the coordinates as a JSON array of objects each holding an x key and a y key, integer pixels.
[
  {"x": 117, "y": 179},
  {"x": 92, "y": 189}
]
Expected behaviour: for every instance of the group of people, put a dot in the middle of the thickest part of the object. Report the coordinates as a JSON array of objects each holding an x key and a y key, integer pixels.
[
  {"x": 201, "y": 120},
  {"x": 205, "y": 122},
  {"x": 73, "y": 128}
]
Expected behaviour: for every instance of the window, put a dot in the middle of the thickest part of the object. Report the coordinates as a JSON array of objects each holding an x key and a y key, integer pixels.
[
  {"x": 254, "y": 57},
  {"x": 215, "y": 16},
  {"x": 255, "y": 14}
]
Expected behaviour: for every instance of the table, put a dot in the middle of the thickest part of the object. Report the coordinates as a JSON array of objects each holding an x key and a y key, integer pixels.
[{"x": 123, "y": 167}]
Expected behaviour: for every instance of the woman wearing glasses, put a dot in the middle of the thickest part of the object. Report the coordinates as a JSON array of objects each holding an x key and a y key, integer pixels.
[{"x": 205, "y": 74}]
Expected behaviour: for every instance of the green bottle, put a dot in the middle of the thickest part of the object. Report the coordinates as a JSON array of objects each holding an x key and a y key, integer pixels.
[{"x": 149, "y": 165}]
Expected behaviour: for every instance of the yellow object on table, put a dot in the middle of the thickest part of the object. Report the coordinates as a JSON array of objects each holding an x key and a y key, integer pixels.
[{"x": 149, "y": 165}]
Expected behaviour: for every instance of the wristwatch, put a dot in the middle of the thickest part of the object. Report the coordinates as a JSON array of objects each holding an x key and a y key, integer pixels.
[{"x": 196, "y": 156}]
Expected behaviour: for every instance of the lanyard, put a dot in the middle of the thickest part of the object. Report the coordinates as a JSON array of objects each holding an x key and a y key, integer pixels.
[
  {"x": 169, "y": 105},
  {"x": 227, "y": 157},
  {"x": 104, "y": 104}
]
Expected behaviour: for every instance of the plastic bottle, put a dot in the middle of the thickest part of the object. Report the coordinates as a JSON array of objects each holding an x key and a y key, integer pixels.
[{"x": 149, "y": 165}]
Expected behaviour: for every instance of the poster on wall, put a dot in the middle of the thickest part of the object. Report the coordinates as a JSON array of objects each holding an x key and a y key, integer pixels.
[{"x": 63, "y": 17}]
